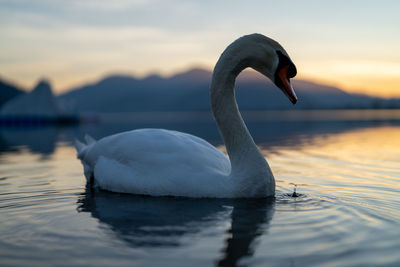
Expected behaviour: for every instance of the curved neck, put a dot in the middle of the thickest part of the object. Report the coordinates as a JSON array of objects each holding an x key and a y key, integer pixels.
[
  {"x": 238, "y": 141},
  {"x": 250, "y": 173}
]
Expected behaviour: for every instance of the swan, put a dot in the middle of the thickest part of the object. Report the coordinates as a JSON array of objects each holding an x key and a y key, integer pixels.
[{"x": 160, "y": 162}]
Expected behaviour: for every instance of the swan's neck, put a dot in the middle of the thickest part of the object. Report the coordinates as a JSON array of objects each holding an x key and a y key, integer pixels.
[{"x": 249, "y": 169}]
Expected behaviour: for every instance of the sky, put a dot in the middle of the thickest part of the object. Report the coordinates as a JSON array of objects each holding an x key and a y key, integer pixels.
[{"x": 351, "y": 44}]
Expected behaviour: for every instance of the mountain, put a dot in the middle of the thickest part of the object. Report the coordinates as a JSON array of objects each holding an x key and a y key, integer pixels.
[
  {"x": 189, "y": 91},
  {"x": 39, "y": 102},
  {"x": 8, "y": 91}
]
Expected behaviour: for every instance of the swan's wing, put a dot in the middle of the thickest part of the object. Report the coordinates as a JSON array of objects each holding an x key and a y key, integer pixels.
[
  {"x": 157, "y": 162},
  {"x": 158, "y": 147},
  {"x": 115, "y": 176}
]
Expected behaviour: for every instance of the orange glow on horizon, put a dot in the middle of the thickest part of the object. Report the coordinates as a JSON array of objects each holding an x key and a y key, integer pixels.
[
  {"x": 381, "y": 85},
  {"x": 380, "y": 79}
]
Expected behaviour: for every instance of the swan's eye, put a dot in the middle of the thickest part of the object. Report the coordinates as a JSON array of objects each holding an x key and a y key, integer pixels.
[{"x": 285, "y": 61}]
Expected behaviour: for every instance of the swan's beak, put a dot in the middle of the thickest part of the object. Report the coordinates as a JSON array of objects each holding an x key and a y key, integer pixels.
[{"x": 285, "y": 85}]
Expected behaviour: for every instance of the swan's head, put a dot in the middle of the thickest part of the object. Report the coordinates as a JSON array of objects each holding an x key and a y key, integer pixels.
[
  {"x": 282, "y": 74},
  {"x": 267, "y": 57}
]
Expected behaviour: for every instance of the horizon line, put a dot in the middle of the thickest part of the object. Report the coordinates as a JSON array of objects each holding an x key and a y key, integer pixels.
[{"x": 251, "y": 75}]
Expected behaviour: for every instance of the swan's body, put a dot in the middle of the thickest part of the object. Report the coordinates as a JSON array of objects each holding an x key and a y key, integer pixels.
[
  {"x": 162, "y": 160},
  {"x": 167, "y": 163}
]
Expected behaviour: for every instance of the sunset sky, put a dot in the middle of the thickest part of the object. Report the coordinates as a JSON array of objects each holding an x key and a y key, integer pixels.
[{"x": 351, "y": 44}]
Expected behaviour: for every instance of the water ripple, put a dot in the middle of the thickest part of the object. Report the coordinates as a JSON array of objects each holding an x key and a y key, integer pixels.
[{"x": 346, "y": 212}]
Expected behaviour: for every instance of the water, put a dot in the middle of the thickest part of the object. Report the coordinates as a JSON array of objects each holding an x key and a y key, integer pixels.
[{"x": 346, "y": 169}]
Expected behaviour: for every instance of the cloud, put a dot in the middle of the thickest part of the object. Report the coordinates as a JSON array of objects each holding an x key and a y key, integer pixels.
[
  {"x": 146, "y": 35},
  {"x": 119, "y": 5},
  {"x": 72, "y": 54}
]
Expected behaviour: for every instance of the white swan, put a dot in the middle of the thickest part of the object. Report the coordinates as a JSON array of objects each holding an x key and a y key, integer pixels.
[{"x": 168, "y": 163}]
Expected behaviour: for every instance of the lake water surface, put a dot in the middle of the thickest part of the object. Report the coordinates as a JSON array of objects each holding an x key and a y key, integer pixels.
[{"x": 346, "y": 167}]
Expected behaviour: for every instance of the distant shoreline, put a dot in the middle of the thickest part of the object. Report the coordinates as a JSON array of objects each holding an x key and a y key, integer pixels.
[{"x": 263, "y": 115}]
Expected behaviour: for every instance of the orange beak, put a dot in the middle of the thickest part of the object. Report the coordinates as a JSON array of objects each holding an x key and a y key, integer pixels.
[{"x": 287, "y": 88}]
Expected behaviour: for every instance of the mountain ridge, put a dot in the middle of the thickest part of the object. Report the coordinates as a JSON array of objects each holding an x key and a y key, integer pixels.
[
  {"x": 189, "y": 91},
  {"x": 8, "y": 91}
]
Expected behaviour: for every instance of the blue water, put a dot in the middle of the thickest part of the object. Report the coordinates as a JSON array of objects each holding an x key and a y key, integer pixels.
[{"x": 345, "y": 166}]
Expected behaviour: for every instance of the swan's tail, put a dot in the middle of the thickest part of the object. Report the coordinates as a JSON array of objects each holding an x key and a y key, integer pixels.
[{"x": 81, "y": 148}]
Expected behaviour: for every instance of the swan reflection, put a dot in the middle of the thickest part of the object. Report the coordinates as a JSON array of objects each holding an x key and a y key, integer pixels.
[
  {"x": 40, "y": 140},
  {"x": 250, "y": 219},
  {"x": 141, "y": 221}
]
